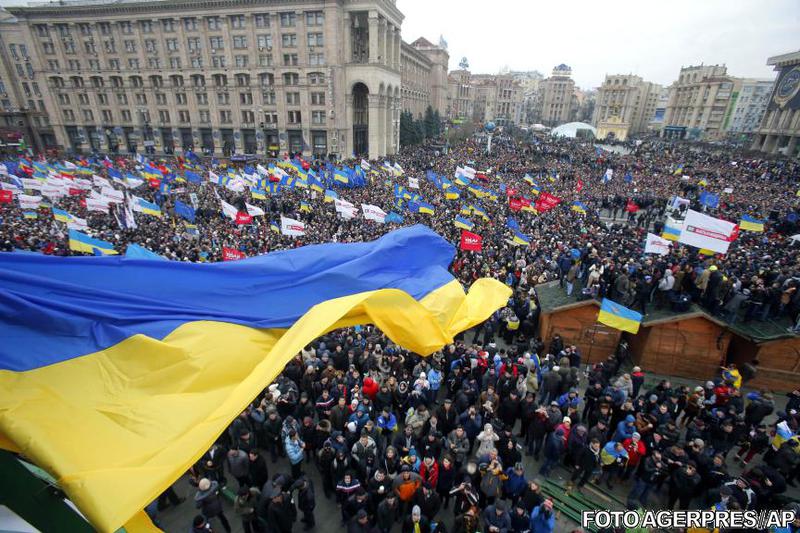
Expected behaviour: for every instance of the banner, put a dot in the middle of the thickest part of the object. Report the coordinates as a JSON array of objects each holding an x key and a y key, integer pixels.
[
  {"x": 292, "y": 227},
  {"x": 515, "y": 204},
  {"x": 708, "y": 232},
  {"x": 232, "y": 254},
  {"x": 471, "y": 241},
  {"x": 656, "y": 245},
  {"x": 413, "y": 183},
  {"x": 546, "y": 201},
  {"x": 243, "y": 218},
  {"x": 373, "y": 212}
]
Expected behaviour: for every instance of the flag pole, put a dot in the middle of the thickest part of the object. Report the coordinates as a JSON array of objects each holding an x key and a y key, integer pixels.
[{"x": 591, "y": 343}]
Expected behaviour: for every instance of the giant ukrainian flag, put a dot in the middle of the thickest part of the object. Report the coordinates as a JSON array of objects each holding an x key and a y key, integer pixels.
[
  {"x": 618, "y": 316},
  {"x": 117, "y": 374}
]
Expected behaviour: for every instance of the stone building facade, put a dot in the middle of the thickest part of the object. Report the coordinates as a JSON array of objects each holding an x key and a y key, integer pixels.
[
  {"x": 558, "y": 103},
  {"x": 625, "y": 105},
  {"x": 779, "y": 131},
  {"x": 321, "y": 77}
]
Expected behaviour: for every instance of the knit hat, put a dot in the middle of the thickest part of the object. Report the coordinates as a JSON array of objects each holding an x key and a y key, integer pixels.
[{"x": 416, "y": 511}]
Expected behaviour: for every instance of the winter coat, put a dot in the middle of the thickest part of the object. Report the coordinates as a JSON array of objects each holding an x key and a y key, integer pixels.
[{"x": 294, "y": 450}]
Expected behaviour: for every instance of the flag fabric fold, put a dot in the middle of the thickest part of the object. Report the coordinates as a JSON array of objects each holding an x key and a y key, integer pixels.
[
  {"x": 618, "y": 316},
  {"x": 155, "y": 358}
]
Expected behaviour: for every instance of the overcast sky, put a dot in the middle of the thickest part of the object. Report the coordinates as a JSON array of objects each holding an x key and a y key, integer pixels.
[
  {"x": 644, "y": 37},
  {"x": 595, "y": 38}
]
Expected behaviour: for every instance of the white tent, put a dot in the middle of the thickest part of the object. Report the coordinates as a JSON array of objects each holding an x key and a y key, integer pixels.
[{"x": 571, "y": 129}]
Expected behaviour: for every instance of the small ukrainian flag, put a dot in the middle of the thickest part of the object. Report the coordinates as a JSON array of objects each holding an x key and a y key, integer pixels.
[
  {"x": 305, "y": 207},
  {"x": 579, "y": 207},
  {"x": 331, "y": 195},
  {"x": 749, "y": 223},
  {"x": 341, "y": 177},
  {"x": 451, "y": 195},
  {"x": 61, "y": 215},
  {"x": 31, "y": 215},
  {"x": 80, "y": 242},
  {"x": 258, "y": 194},
  {"x": 149, "y": 208},
  {"x": 522, "y": 239},
  {"x": 463, "y": 223},
  {"x": 466, "y": 210},
  {"x": 274, "y": 227},
  {"x": 425, "y": 208},
  {"x": 619, "y": 317},
  {"x": 479, "y": 211}
]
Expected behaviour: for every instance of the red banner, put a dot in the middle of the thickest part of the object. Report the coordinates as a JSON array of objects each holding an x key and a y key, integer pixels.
[
  {"x": 631, "y": 207},
  {"x": 579, "y": 186},
  {"x": 511, "y": 191},
  {"x": 75, "y": 192},
  {"x": 515, "y": 204},
  {"x": 154, "y": 183},
  {"x": 274, "y": 179},
  {"x": 232, "y": 254},
  {"x": 471, "y": 241},
  {"x": 546, "y": 201},
  {"x": 6, "y": 196},
  {"x": 243, "y": 218}
]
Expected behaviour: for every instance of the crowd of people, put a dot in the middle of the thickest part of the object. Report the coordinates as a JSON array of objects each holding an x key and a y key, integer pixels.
[{"x": 397, "y": 439}]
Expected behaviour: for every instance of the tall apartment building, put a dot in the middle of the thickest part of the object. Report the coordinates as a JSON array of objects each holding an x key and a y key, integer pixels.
[
  {"x": 558, "y": 103},
  {"x": 322, "y": 77},
  {"x": 498, "y": 99},
  {"x": 460, "y": 96},
  {"x": 423, "y": 76},
  {"x": 698, "y": 102},
  {"x": 748, "y": 106},
  {"x": 625, "y": 106},
  {"x": 779, "y": 131}
]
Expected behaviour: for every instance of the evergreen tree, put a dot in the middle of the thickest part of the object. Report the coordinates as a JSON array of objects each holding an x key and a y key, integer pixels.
[{"x": 430, "y": 123}]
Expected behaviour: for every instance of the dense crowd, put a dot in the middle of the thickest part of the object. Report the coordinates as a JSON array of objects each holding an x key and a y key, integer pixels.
[{"x": 398, "y": 439}]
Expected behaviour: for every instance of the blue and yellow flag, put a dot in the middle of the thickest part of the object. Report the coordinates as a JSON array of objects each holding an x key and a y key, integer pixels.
[
  {"x": 274, "y": 227},
  {"x": 61, "y": 215},
  {"x": 305, "y": 207},
  {"x": 464, "y": 223},
  {"x": 465, "y": 210},
  {"x": 619, "y": 317},
  {"x": 521, "y": 238},
  {"x": 31, "y": 215},
  {"x": 129, "y": 352},
  {"x": 80, "y": 242},
  {"x": 149, "y": 208},
  {"x": 477, "y": 210},
  {"x": 258, "y": 194},
  {"x": 579, "y": 207},
  {"x": 749, "y": 223},
  {"x": 331, "y": 195}
]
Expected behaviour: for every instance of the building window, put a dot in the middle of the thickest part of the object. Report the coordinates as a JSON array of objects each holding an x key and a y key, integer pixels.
[
  {"x": 318, "y": 117},
  {"x": 193, "y": 43},
  {"x": 268, "y": 97},
  {"x": 190, "y": 24},
  {"x": 69, "y": 116},
  {"x": 63, "y": 30},
  {"x": 146, "y": 26},
  {"x": 246, "y": 98},
  {"x": 239, "y": 42},
  {"x": 316, "y": 59},
  {"x": 133, "y": 63},
  {"x": 266, "y": 79},
  {"x": 291, "y": 78},
  {"x": 248, "y": 117},
  {"x": 150, "y": 45},
  {"x": 83, "y": 98},
  {"x": 49, "y": 48},
  {"x": 223, "y": 98},
  {"x": 161, "y": 99},
  {"x": 316, "y": 78},
  {"x": 237, "y": 22},
  {"x": 102, "y": 99},
  {"x": 73, "y": 64},
  {"x": 180, "y": 98},
  {"x": 141, "y": 99},
  {"x": 168, "y": 25},
  {"x": 261, "y": 20},
  {"x": 107, "y": 117},
  {"x": 293, "y": 98},
  {"x": 63, "y": 99},
  {"x": 271, "y": 118},
  {"x": 130, "y": 46},
  {"x": 265, "y": 60},
  {"x": 288, "y": 20},
  {"x": 197, "y": 62},
  {"x": 205, "y": 116},
  {"x": 315, "y": 18},
  {"x": 88, "y": 116},
  {"x": 216, "y": 43},
  {"x": 154, "y": 62},
  {"x": 242, "y": 80},
  {"x": 317, "y": 98},
  {"x": 163, "y": 116},
  {"x": 85, "y": 29},
  {"x": 110, "y": 46},
  {"x": 225, "y": 116},
  {"x": 241, "y": 61},
  {"x": 69, "y": 47},
  {"x": 42, "y": 31},
  {"x": 214, "y": 23},
  {"x": 183, "y": 116},
  {"x": 172, "y": 45},
  {"x": 175, "y": 63},
  {"x": 122, "y": 98},
  {"x": 294, "y": 117},
  {"x": 290, "y": 60},
  {"x": 126, "y": 115},
  {"x": 218, "y": 61},
  {"x": 264, "y": 41},
  {"x": 202, "y": 98},
  {"x": 315, "y": 39},
  {"x": 289, "y": 40}
]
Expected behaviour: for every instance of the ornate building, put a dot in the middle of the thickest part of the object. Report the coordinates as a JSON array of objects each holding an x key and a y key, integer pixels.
[
  {"x": 558, "y": 102},
  {"x": 318, "y": 76},
  {"x": 423, "y": 77},
  {"x": 624, "y": 106},
  {"x": 779, "y": 131}
]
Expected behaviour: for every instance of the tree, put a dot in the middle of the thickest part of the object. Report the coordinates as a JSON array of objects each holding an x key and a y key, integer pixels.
[
  {"x": 430, "y": 123},
  {"x": 437, "y": 119},
  {"x": 407, "y": 129}
]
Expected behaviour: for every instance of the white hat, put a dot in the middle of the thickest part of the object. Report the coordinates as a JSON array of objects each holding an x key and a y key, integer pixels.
[
  {"x": 204, "y": 484},
  {"x": 422, "y": 375}
]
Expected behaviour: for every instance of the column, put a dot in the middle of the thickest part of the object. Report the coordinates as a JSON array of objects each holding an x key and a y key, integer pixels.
[
  {"x": 374, "y": 133},
  {"x": 792, "y": 146},
  {"x": 197, "y": 142},
  {"x": 382, "y": 38},
  {"x": 389, "y": 48},
  {"x": 397, "y": 43},
  {"x": 157, "y": 144},
  {"x": 260, "y": 140},
  {"x": 238, "y": 142},
  {"x": 388, "y": 130},
  {"x": 381, "y": 125},
  {"x": 216, "y": 135},
  {"x": 373, "y": 38},
  {"x": 348, "y": 39},
  {"x": 102, "y": 139},
  {"x": 345, "y": 146},
  {"x": 177, "y": 141}
]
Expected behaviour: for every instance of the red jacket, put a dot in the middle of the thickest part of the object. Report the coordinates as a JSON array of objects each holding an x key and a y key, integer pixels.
[
  {"x": 370, "y": 388},
  {"x": 429, "y": 475},
  {"x": 635, "y": 451}
]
